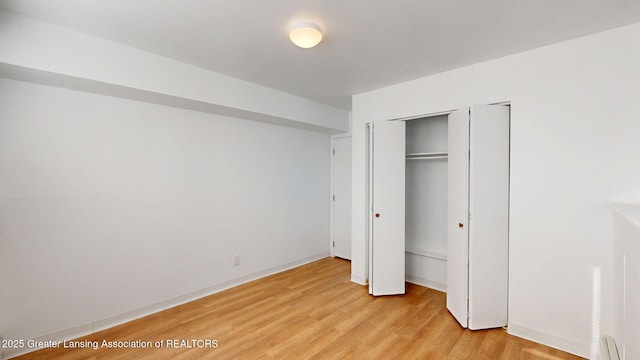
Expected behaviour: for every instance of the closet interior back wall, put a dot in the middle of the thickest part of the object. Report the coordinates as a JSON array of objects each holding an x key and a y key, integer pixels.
[{"x": 426, "y": 201}]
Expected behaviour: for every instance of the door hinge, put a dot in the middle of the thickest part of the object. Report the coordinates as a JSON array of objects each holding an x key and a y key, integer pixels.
[
  {"x": 334, "y": 198},
  {"x": 334, "y": 244},
  {"x": 334, "y": 151}
]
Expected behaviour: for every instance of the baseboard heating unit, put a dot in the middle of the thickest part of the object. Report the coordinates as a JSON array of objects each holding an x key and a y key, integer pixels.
[{"x": 608, "y": 349}]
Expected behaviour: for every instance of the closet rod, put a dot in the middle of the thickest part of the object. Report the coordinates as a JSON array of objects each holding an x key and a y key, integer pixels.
[
  {"x": 427, "y": 157},
  {"x": 428, "y": 154}
]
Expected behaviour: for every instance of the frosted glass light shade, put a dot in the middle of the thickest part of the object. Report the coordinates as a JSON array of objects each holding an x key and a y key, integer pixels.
[{"x": 305, "y": 34}]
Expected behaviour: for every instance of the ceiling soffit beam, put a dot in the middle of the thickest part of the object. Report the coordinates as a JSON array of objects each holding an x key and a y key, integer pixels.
[{"x": 42, "y": 53}]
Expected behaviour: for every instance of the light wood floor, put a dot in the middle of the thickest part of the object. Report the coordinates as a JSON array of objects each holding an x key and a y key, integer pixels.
[{"x": 313, "y": 311}]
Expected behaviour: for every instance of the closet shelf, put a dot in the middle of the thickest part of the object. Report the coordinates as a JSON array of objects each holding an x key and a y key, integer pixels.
[
  {"x": 426, "y": 254},
  {"x": 427, "y": 156}
]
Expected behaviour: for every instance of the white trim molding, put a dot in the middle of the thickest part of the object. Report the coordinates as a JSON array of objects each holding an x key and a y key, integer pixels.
[
  {"x": 557, "y": 342},
  {"x": 426, "y": 283}
]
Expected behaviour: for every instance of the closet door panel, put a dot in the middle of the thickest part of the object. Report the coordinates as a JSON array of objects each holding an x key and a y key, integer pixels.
[
  {"x": 388, "y": 238},
  {"x": 457, "y": 215},
  {"x": 489, "y": 208}
]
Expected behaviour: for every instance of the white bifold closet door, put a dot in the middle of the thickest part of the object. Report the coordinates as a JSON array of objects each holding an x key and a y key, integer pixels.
[
  {"x": 478, "y": 215},
  {"x": 458, "y": 208},
  {"x": 386, "y": 209}
]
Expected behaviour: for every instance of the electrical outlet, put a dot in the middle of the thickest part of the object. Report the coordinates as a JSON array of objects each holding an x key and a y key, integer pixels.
[{"x": 236, "y": 260}]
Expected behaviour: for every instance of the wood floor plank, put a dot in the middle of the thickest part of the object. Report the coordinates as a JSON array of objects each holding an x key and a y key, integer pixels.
[{"x": 310, "y": 312}]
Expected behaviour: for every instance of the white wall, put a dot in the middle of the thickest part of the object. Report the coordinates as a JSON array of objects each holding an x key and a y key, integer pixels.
[
  {"x": 109, "y": 206},
  {"x": 574, "y": 146}
]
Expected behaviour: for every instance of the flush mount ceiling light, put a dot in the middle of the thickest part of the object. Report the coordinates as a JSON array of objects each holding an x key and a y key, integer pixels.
[{"x": 305, "y": 34}]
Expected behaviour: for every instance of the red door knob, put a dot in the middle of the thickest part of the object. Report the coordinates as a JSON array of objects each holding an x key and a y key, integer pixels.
[
  {"x": 377, "y": 215},
  {"x": 460, "y": 225}
]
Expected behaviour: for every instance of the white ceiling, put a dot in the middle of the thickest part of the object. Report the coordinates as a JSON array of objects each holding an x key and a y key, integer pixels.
[{"x": 368, "y": 44}]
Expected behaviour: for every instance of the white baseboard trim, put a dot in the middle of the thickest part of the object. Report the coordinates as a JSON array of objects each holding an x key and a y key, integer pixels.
[
  {"x": 426, "y": 283},
  {"x": 557, "y": 342},
  {"x": 98, "y": 325},
  {"x": 360, "y": 280}
]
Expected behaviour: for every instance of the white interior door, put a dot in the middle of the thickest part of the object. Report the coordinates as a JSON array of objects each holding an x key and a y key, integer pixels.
[
  {"x": 386, "y": 250},
  {"x": 458, "y": 216},
  {"x": 341, "y": 197}
]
